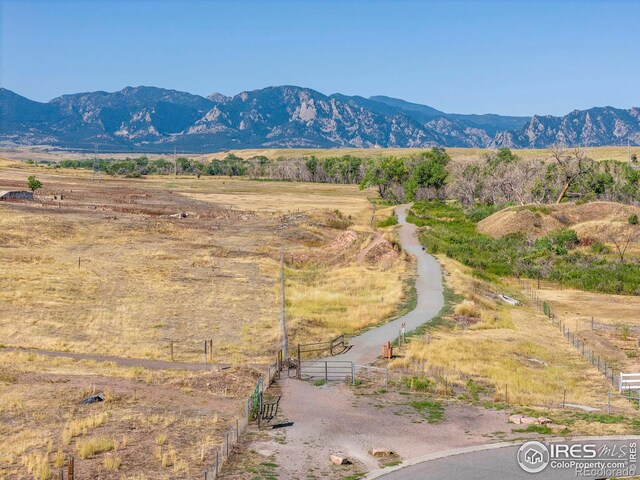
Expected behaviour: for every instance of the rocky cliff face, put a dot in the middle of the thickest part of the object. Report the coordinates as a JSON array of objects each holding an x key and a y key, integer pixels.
[{"x": 154, "y": 119}]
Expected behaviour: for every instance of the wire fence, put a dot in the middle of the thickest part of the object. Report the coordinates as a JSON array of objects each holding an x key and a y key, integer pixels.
[{"x": 252, "y": 411}]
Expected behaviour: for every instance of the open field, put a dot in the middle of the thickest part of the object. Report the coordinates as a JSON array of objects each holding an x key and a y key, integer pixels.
[
  {"x": 45, "y": 153},
  {"x": 597, "y": 153},
  {"x": 108, "y": 268},
  {"x": 110, "y": 258}
]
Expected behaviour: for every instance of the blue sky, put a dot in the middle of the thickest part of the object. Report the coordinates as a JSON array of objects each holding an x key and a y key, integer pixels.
[{"x": 516, "y": 57}]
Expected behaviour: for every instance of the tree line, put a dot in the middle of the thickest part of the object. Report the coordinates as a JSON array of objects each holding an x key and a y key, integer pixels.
[{"x": 497, "y": 178}]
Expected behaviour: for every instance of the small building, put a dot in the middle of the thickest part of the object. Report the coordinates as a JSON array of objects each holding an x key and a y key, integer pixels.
[{"x": 16, "y": 195}]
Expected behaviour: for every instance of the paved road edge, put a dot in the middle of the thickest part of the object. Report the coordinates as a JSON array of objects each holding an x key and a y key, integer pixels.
[{"x": 479, "y": 448}]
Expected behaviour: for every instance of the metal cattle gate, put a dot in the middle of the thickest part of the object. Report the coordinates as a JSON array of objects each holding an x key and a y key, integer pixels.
[
  {"x": 329, "y": 370},
  {"x": 629, "y": 381}
]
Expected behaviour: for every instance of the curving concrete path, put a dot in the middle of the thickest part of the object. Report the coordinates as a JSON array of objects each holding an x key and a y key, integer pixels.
[{"x": 366, "y": 347}]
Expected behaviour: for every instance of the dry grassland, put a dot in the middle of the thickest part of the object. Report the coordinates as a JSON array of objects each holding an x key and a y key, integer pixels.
[
  {"x": 597, "y": 153},
  {"x": 495, "y": 345},
  {"x": 146, "y": 277},
  {"x": 152, "y": 424},
  {"x": 617, "y": 344}
]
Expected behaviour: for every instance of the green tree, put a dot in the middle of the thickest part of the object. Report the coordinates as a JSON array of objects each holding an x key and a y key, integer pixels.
[
  {"x": 430, "y": 172},
  {"x": 312, "y": 165},
  {"x": 33, "y": 183},
  {"x": 384, "y": 174}
]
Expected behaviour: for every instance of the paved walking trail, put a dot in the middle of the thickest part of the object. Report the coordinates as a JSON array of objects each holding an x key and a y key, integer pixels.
[{"x": 365, "y": 348}]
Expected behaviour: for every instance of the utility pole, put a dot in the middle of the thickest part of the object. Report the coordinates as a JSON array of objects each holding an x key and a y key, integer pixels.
[
  {"x": 175, "y": 162},
  {"x": 282, "y": 316},
  {"x": 95, "y": 175}
]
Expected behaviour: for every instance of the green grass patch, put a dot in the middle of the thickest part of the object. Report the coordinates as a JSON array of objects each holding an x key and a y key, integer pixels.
[
  {"x": 535, "y": 428},
  {"x": 388, "y": 222},
  {"x": 320, "y": 382},
  {"x": 355, "y": 476},
  {"x": 600, "y": 418},
  {"x": 431, "y": 409}
]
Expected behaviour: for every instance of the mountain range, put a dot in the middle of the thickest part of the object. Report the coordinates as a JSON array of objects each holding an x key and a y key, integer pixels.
[{"x": 151, "y": 119}]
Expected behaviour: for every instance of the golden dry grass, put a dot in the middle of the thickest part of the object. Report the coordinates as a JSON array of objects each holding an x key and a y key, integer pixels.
[
  {"x": 617, "y": 345},
  {"x": 145, "y": 278},
  {"x": 516, "y": 347},
  {"x": 596, "y": 220},
  {"x": 597, "y": 153},
  {"x": 324, "y": 302},
  {"x": 40, "y": 406}
]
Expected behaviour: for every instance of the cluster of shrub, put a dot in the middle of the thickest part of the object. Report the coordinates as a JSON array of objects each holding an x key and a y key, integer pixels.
[{"x": 554, "y": 257}]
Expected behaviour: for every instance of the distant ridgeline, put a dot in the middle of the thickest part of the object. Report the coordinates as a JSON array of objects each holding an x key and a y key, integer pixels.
[
  {"x": 149, "y": 119},
  {"x": 500, "y": 178}
]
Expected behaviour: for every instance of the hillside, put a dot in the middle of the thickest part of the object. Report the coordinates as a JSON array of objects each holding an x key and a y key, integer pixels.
[
  {"x": 153, "y": 119},
  {"x": 595, "y": 221}
]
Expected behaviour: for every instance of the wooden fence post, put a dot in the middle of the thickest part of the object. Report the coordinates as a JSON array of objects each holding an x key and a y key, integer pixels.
[
  {"x": 172, "y": 350},
  {"x": 70, "y": 473},
  {"x": 299, "y": 364}
]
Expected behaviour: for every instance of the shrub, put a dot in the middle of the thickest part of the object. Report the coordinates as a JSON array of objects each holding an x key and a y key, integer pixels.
[
  {"x": 112, "y": 462},
  {"x": 599, "y": 247},
  {"x": 633, "y": 219},
  {"x": 467, "y": 308},
  {"x": 553, "y": 257},
  {"x": 388, "y": 222},
  {"x": 415, "y": 383},
  {"x": 93, "y": 446}
]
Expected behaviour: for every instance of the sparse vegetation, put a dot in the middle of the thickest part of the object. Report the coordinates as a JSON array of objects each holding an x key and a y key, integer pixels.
[
  {"x": 112, "y": 462},
  {"x": 433, "y": 410},
  {"x": 92, "y": 446}
]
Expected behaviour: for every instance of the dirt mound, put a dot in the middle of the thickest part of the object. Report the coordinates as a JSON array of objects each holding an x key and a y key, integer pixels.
[
  {"x": 382, "y": 252},
  {"x": 603, "y": 231},
  {"x": 348, "y": 247},
  {"x": 590, "y": 220}
]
